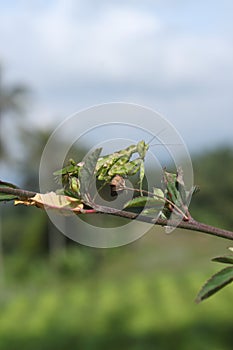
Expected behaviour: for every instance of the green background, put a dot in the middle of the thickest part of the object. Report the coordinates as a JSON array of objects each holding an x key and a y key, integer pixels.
[{"x": 139, "y": 296}]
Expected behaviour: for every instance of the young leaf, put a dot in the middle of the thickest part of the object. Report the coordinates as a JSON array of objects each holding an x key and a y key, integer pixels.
[
  {"x": 7, "y": 197},
  {"x": 158, "y": 193},
  {"x": 7, "y": 184},
  {"x": 180, "y": 185},
  {"x": 177, "y": 195},
  {"x": 172, "y": 188},
  {"x": 4, "y": 196},
  {"x": 87, "y": 172},
  {"x": 144, "y": 201},
  {"x": 215, "y": 283},
  {"x": 151, "y": 212},
  {"x": 224, "y": 259}
]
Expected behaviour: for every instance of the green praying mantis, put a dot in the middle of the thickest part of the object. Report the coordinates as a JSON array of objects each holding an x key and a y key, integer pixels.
[{"x": 107, "y": 167}]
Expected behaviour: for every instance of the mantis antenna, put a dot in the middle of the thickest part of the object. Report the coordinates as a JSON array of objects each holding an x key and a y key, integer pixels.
[
  {"x": 160, "y": 144},
  {"x": 165, "y": 144}
]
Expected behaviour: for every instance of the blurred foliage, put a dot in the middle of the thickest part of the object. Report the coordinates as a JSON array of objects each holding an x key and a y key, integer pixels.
[
  {"x": 56, "y": 294},
  {"x": 13, "y": 100},
  {"x": 134, "y": 297},
  {"x": 213, "y": 173},
  {"x": 213, "y": 204},
  {"x": 139, "y": 307}
]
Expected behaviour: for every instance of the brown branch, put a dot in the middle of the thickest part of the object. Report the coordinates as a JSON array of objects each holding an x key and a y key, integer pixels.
[
  {"x": 18, "y": 192},
  {"x": 188, "y": 225},
  {"x": 192, "y": 224}
]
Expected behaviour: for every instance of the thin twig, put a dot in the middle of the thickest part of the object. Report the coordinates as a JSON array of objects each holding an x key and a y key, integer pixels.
[
  {"x": 18, "y": 192},
  {"x": 192, "y": 224},
  {"x": 188, "y": 225}
]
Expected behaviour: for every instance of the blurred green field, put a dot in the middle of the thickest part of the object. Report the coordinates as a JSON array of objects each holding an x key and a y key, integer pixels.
[
  {"x": 140, "y": 296},
  {"x": 56, "y": 294}
]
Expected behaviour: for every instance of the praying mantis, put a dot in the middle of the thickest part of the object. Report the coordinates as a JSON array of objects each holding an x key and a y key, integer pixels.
[{"x": 107, "y": 167}]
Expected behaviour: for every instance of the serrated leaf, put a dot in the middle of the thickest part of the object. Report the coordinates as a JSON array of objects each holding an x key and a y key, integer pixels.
[
  {"x": 143, "y": 201},
  {"x": 215, "y": 283},
  {"x": 87, "y": 172},
  {"x": 4, "y": 196},
  {"x": 224, "y": 259}
]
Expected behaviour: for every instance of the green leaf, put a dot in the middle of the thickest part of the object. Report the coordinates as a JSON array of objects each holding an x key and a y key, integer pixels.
[
  {"x": 144, "y": 201},
  {"x": 151, "y": 212},
  {"x": 224, "y": 259},
  {"x": 158, "y": 193},
  {"x": 215, "y": 283},
  {"x": 176, "y": 193},
  {"x": 4, "y": 196},
  {"x": 65, "y": 170},
  {"x": 171, "y": 189},
  {"x": 7, "y": 184},
  {"x": 180, "y": 185},
  {"x": 87, "y": 172}
]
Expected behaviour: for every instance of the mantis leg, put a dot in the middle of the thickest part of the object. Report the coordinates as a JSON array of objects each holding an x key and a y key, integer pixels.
[
  {"x": 129, "y": 169},
  {"x": 106, "y": 172},
  {"x": 141, "y": 176}
]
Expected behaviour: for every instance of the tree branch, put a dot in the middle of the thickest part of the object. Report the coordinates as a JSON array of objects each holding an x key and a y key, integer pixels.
[
  {"x": 192, "y": 224},
  {"x": 18, "y": 192}
]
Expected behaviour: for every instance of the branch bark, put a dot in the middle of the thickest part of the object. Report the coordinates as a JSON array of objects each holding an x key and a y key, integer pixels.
[
  {"x": 18, "y": 192},
  {"x": 192, "y": 224}
]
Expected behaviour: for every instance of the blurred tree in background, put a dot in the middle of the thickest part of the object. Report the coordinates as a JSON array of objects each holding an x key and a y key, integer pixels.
[
  {"x": 213, "y": 173},
  {"x": 25, "y": 233},
  {"x": 13, "y": 100},
  {"x": 135, "y": 297}
]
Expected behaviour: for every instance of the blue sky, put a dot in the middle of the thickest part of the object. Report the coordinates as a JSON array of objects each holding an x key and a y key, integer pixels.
[{"x": 173, "y": 56}]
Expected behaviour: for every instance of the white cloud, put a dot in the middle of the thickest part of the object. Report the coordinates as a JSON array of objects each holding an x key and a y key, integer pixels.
[
  {"x": 118, "y": 50},
  {"x": 118, "y": 43},
  {"x": 94, "y": 47}
]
